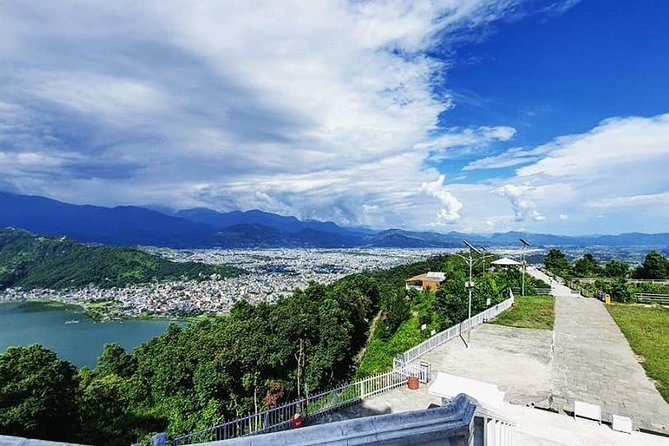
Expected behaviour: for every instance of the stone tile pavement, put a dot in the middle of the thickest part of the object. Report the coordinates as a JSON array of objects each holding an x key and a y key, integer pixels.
[{"x": 592, "y": 362}]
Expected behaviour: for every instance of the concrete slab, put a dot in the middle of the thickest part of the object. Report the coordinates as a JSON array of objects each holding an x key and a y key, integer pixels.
[
  {"x": 449, "y": 386},
  {"x": 516, "y": 360}
]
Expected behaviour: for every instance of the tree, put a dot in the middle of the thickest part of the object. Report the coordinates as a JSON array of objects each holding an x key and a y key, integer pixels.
[
  {"x": 654, "y": 266},
  {"x": 586, "y": 266},
  {"x": 556, "y": 262},
  {"x": 37, "y": 394},
  {"x": 620, "y": 291},
  {"x": 616, "y": 268},
  {"x": 451, "y": 300},
  {"x": 116, "y": 360}
]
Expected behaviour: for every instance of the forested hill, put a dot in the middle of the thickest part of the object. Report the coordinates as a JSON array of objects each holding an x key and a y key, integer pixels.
[{"x": 31, "y": 261}]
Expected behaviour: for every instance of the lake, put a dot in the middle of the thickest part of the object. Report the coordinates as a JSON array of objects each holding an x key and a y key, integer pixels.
[{"x": 25, "y": 323}]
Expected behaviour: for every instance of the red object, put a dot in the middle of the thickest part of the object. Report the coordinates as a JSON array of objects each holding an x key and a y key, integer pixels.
[
  {"x": 297, "y": 420},
  {"x": 412, "y": 383}
]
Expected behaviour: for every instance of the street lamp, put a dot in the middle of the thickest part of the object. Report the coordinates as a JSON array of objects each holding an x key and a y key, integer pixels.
[
  {"x": 484, "y": 257},
  {"x": 470, "y": 284},
  {"x": 526, "y": 244}
]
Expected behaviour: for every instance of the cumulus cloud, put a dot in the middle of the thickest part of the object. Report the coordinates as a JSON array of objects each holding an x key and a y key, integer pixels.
[
  {"x": 523, "y": 207},
  {"x": 450, "y": 213},
  {"x": 620, "y": 163},
  {"x": 318, "y": 109}
]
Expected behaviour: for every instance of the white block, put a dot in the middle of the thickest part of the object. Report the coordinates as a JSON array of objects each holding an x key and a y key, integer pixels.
[
  {"x": 448, "y": 386},
  {"x": 622, "y": 424},
  {"x": 585, "y": 410}
]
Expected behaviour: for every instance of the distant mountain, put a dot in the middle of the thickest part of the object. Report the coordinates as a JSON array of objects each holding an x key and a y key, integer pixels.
[
  {"x": 31, "y": 261},
  {"x": 260, "y": 236},
  {"x": 399, "y": 238},
  {"x": 255, "y": 217},
  {"x": 123, "y": 225},
  {"x": 206, "y": 228}
]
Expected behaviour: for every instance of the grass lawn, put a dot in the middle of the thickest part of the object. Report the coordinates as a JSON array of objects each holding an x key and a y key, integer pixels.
[
  {"x": 530, "y": 312},
  {"x": 379, "y": 354},
  {"x": 647, "y": 331}
]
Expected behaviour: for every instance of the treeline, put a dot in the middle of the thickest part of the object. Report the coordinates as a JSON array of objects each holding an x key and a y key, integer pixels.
[
  {"x": 611, "y": 277},
  {"x": 30, "y": 261},
  {"x": 654, "y": 266}
]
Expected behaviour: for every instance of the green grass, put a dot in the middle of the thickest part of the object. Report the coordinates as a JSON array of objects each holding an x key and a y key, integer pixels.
[
  {"x": 379, "y": 354},
  {"x": 530, "y": 312},
  {"x": 647, "y": 331}
]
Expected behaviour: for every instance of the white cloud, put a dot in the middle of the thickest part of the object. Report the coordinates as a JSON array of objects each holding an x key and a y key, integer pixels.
[
  {"x": 619, "y": 163},
  {"x": 523, "y": 207},
  {"x": 564, "y": 217},
  {"x": 318, "y": 109},
  {"x": 511, "y": 157},
  {"x": 450, "y": 213},
  {"x": 661, "y": 198}
]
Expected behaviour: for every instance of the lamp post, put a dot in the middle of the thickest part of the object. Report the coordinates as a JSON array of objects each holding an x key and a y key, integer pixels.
[
  {"x": 483, "y": 257},
  {"x": 470, "y": 284},
  {"x": 525, "y": 245}
]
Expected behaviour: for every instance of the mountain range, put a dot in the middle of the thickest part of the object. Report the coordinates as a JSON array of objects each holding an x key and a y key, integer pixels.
[{"x": 207, "y": 228}]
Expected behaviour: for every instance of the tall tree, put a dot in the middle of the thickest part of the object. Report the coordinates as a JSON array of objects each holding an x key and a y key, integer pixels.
[
  {"x": 37, "y": 394},
  {"x": 616, "y": 268},
  {"x": 556, "y": 262},
  {"x": 654, "y": 266},
  {"x": 587, "y": 266}
]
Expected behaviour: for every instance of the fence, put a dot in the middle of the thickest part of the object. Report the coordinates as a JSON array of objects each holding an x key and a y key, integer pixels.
[
  {"x": 444, "y": 336},
  {"x": 662, "y": 299},
  {"x": 613, "y": 279},
  {"x": 279, "y": 418}
]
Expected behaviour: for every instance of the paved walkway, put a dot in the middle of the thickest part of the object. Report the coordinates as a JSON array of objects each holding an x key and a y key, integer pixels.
[{"x": 592, "y": 362}]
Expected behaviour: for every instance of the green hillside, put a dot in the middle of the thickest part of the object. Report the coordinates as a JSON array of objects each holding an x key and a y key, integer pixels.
[{"x": 31, "y": 261}]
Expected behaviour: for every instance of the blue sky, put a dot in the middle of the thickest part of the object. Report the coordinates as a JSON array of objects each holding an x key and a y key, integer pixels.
[{"x": 468, "y": 115}]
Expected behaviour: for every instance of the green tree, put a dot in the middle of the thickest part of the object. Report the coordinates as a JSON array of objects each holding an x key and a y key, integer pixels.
[
  {"x": 451, "y": 300},
  {"x": 587, "y": 266},
  {"x": 557, "y": 262},
  {"x": 116, "y": 360},
  {"x": 616, "y": 268},
  {"x": 654, "y": 266},
  {"x": 620, "y": 291},
  {"x": 37, "y": 394}
]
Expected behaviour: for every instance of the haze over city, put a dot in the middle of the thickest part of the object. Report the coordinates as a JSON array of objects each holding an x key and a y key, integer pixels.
[{"x": 470, "y": 115}]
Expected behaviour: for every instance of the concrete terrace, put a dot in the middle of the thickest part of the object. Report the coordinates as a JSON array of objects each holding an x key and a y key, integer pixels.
[{"x": 585, "y": 358}]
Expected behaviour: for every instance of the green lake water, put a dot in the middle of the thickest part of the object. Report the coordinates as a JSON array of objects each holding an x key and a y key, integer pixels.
[{"x": 25, "y": 323}]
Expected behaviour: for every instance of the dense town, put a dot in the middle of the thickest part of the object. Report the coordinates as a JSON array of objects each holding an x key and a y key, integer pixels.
[{"x": 272, "y": 273}]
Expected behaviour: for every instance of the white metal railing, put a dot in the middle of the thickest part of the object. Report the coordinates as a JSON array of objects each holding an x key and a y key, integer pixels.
[
  {"x": 280, "y": 417},
  {"x": 613, "y": 279},
  {"x": 450, "y": 333},
  {"x": 662, "y": 299}
]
